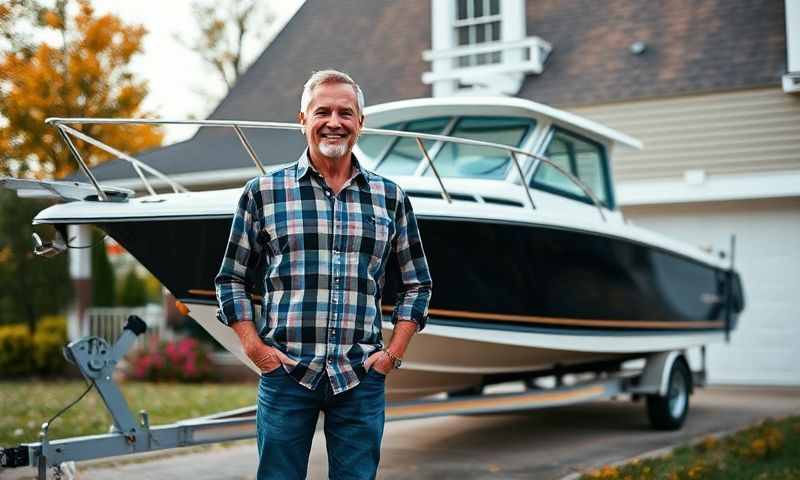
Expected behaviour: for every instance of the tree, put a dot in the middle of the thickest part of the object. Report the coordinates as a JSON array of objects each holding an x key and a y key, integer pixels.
[
  {"x": 32, "y": 286},
  {"x": 103, "y": 281},
  {"x": 16, "y": 19},
  {"x": 226, "y": 29},
  {"x": 134, "y": 291},
  {"x": 83, "y": 74}
]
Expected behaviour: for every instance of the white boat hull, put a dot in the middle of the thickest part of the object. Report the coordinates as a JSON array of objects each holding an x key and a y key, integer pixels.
[{"x": 447, "y": 358}]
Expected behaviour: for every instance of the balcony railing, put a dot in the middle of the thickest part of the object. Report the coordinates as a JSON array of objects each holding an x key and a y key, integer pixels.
[{"x": 521, "y": 56}]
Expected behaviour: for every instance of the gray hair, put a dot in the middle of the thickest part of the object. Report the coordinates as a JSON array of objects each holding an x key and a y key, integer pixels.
[{"x": 329, "y": 76}]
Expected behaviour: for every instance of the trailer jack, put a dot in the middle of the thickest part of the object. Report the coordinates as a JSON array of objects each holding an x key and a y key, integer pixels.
[{"x": 96, "y": 360}]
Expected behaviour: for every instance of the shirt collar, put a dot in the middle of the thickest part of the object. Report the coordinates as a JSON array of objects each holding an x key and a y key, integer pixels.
[{"x": 304, "y": 166}]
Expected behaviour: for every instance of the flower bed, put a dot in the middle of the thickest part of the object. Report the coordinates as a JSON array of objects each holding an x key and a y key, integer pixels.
[{"x": 183, "y": 360}]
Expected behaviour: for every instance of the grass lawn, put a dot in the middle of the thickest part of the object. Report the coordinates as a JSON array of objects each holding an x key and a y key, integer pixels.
[
  {"x": 769, "y": 451},
  {"x": 24, "y": 405}
]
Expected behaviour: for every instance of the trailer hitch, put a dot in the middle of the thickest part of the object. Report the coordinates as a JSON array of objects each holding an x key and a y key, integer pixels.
[{"x": 96, "y": 360}]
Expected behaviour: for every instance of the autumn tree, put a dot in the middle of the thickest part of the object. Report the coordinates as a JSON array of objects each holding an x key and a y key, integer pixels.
[
  {"x": 16, "y": 19},
  {"x": 82, "y": 73},
  {"x": 227, "y": 29}
]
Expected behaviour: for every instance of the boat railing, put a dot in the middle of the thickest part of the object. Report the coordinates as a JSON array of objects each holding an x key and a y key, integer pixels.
[{"x": 67, "y": 132}]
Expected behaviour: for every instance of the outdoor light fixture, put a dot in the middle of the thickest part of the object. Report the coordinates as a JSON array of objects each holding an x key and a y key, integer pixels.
[
  {"x": 48, "y": 249},
  {"x": 638, "y": 48}
]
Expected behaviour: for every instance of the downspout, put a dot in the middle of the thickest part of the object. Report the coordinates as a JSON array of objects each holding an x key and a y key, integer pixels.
[{"x": 791, "y": 80}]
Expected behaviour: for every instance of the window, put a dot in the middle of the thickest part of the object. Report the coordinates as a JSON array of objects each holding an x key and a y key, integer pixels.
[
  {"x": 477, "y": 22},
  {"x": 458, "y": 160},
  {"x": 481, "y": 46},
  {"x": 404, "y": 156},
  {"x": 581, "y": 157}
]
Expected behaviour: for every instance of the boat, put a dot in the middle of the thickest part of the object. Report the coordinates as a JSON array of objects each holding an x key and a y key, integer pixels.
[{"x": 535, "y": 268}]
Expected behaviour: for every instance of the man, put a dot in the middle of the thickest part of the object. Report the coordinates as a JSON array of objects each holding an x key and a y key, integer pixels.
[{"x": 322, "y": 231}]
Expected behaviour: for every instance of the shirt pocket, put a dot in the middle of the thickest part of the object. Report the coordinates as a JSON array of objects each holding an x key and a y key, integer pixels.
[
  {"x": 369, "y": 235},
  {"x": 288, "y": 236}
]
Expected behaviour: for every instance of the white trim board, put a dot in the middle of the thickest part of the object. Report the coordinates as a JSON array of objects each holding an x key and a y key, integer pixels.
[{"x": 714, "y": 188}]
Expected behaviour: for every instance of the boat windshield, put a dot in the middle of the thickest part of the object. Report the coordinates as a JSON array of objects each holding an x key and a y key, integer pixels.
[
  {"x": 583, "y": 158},
  {"x": 401, "y": 156},
  {"x": 470, "y": 161}
]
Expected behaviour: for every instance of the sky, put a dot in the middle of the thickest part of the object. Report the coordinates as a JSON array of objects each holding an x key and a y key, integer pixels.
[{"x": 176, "y": 76}]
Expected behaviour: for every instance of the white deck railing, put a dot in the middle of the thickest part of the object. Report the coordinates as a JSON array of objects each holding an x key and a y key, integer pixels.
[
  {"x": 67, "y": 132},
  {"x": 532, "y": 54}
]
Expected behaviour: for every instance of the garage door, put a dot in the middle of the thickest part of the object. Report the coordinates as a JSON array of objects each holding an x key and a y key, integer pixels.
[{"x": 765, "y": 348}]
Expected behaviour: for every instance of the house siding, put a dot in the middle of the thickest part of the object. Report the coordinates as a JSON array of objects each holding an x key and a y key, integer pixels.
[{"x": 742, "y": 132}]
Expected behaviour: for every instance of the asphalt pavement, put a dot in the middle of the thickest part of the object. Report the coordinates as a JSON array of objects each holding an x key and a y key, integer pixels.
[{"x": 543, "y": 444}]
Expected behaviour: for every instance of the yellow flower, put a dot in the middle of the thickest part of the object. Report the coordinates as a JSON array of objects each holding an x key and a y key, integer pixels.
[{"x": 758, "y": 448}]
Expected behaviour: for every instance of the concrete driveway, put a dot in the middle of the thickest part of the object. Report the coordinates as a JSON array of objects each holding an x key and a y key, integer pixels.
[{"x": 545, "y": 444}]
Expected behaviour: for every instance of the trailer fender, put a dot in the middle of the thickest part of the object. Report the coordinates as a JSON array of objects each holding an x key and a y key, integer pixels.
[{"x": 655, "y": 376}]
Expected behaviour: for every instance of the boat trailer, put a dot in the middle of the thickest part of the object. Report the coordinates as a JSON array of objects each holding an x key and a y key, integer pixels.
[{"x": 663, "y": 381}]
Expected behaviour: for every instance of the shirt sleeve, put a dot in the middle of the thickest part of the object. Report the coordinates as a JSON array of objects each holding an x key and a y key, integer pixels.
[
  {"x": 233, "y": 282},
  {"x": 414, "y": 294}
]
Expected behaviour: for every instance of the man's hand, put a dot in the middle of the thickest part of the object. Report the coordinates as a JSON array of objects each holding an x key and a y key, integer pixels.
[
  {"x": 265, "y": 357},
  {"x": 380, "y": 361}
]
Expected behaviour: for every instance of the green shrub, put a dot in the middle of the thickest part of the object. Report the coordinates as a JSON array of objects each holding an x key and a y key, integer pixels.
[
  {"x": 32, "y": 286},
  {"x": 134, "y": 291},
  {"x": 103, "y": 281},
  {"x": 48, "y": 342},
  {"x": 16, "y": 351}
]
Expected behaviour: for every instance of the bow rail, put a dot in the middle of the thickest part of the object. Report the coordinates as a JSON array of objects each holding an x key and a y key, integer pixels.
[{"x": 63, "y": 126}]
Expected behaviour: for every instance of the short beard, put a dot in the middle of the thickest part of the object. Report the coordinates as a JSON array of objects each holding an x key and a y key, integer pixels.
[{"x": 333, "y": 151}]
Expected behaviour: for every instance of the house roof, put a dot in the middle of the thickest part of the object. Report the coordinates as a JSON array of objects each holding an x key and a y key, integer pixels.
[
  {"x": 692, "y": 48},
  {"x": 714, "y": 45}
]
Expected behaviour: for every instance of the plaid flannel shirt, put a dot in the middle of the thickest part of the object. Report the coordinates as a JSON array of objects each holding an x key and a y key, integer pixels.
[{"x": 325, "y": 257}]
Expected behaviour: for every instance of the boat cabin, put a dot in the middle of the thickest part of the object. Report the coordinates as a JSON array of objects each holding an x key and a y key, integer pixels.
[{"x": 577, "y": 145}]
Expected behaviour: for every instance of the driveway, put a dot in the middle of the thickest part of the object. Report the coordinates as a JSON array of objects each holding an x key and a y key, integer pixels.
[{"x": 545, "y": 444}]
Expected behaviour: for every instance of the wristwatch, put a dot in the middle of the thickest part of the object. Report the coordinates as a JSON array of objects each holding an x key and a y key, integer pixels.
[{"x": 396, "y": 361}]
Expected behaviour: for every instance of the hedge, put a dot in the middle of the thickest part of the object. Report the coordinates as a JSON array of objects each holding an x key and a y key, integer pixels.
[
  {"x": 48, "y": 345},
  {"x": 23, "y": 354},
  {"x": 16, "y": 351}
]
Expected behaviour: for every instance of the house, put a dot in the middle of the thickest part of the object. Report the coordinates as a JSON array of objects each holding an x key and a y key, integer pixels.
[{"x": 712, "y": 88}]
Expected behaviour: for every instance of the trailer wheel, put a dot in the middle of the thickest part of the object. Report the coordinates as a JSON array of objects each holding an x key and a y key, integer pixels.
[
  {"x": 466, "y": 392},
  {"x": 668, "y": 412}
]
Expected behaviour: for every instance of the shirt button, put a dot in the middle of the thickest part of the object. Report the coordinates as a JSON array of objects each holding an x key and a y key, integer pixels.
[
  {"x": 333, "y": 333},
  {"x": 336, "y": 280},
  {"x": 330, "y": 361},
  {"x": 335, "y": 300}
]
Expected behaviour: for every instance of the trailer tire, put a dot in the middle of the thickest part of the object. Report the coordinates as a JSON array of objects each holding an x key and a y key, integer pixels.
[
  {"x": 668, "y": 412},
  {"x": 466, "y": 392}
]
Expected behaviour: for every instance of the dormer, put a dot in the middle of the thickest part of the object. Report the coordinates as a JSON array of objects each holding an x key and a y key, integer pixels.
[{"x": 480, "y": 47}]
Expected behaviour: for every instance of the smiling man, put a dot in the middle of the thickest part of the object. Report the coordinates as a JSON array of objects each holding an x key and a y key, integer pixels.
[{"x": 318, "y": 236}]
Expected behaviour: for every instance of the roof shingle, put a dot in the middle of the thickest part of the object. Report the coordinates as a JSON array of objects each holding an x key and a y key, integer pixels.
[{"x": 692, "y": 47}]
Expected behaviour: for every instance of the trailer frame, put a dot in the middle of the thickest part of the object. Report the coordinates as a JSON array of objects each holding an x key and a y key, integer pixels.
[{"x": 131, "y": 435}]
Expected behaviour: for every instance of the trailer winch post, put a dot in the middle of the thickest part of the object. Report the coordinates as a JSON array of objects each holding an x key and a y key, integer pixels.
[{"x": 97, "y": 360}]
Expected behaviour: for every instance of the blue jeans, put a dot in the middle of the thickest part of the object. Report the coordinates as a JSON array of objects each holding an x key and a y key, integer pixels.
[{"x": 286, "y": 419}]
